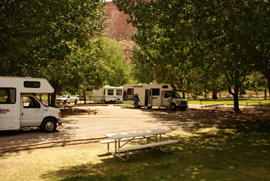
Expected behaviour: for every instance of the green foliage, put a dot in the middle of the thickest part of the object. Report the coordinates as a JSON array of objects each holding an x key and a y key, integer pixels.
[
  {"x": 142, "y": 71},
  {"x": 256, "y": 82},
  {"x": 35, "y": 34},
  {"x": 87, "y": 67},
  {"x": 36, "y": 37},
  {"x": 118, "y": 68},
  {"x": 230, "y": 38}
]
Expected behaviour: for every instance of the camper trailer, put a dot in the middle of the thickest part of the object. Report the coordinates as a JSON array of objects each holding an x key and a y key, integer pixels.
[
  {"x": 153, "y": 94},
  {"x": 20, "y": 108},
  {"x": 107, "y": 94}
]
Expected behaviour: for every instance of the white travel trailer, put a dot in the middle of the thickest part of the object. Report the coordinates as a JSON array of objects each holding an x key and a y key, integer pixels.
[
  {"x": 106, "y": 94},
  {"x": 153, "y": 94},
  {"x": 20, "y": 108}
]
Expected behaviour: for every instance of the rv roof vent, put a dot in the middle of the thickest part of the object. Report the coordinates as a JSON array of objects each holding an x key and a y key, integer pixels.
[
  {"x": 142, "y": 83},
  {"x": 153, "y": 83},
  {"x": 107, "y": 86}
]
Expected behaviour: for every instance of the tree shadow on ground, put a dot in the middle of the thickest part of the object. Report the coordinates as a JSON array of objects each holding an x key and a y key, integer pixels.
[
  {"x": 194, "y": 119},
  {"x": 235, "y": 152}
]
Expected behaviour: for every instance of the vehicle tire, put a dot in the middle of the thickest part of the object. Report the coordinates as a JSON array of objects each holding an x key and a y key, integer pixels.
[
  {"x": 173, "y": 107},
  {"x": 136, "y": 104},
  {"x": 149, "y": 107},
  {"x": 49, "y": 125},
  {"x": 183, "y": 109},
  {"x": 76, "y": 101}
]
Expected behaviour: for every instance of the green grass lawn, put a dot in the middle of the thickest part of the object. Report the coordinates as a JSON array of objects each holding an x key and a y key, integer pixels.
[
  {"x": 249, "y": 102},
  {"x": 235, "y": 152}
]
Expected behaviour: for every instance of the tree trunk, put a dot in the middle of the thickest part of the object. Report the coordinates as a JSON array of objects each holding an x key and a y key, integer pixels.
[
  {"x": 235, "y": 93},
  {"x": 266, "y": 73},
  {"x": 84, "y": 94},
  {"x": 53, "y": 98},
  {"x": 214, "y": 90},
  {"x": 53, "y": 95},
  {"x": 49, "y": 99},
  {"x": 214, "y": 95},
  {"x": 236, "y": 99}
]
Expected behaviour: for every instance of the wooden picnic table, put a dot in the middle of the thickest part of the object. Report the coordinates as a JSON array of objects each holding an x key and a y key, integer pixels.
[{"x": 117, "y": 138}]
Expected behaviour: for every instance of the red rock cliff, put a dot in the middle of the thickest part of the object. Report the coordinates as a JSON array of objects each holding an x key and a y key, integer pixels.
[{"x": 119, "y": 28}]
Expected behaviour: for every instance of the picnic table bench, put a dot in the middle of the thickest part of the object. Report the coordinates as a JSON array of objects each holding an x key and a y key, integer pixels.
[{"x": 117, "y": 138}]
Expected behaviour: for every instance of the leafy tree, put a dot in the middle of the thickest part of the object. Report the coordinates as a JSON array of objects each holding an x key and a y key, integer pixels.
[
  {"x": 231, "y": 35},
  {"x": 89, "y": 64},
  {"x": 35, "y": 36},
  {"x": 256, "y": 82},
  {"x": 141, "y": 71},
  {"x": 118, "y": 68}
]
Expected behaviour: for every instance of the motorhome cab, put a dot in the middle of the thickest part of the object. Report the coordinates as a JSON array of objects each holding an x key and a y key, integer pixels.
[
  {"x": 153, "y": 94},
  {"x": 20, "y": 108},
  {"x": 106, "y": 94}
]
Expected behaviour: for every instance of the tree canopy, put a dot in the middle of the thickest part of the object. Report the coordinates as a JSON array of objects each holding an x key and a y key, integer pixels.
[
  {"x": 34, "y": 33},
  {"x": 36, "y": 36},
  {"x": 230, "y": 37}
]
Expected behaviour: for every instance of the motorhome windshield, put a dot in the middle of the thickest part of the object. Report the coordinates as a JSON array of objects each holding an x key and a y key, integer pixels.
[
  {"x": 172, "y": 94},
  {"x": 175, "y": 95}
]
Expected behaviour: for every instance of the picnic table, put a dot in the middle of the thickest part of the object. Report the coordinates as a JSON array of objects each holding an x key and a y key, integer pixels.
[{"x": 125, "y": 137}]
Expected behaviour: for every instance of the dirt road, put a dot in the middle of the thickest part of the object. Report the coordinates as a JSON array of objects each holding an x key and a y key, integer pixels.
[{"x": 110, "y": 119}]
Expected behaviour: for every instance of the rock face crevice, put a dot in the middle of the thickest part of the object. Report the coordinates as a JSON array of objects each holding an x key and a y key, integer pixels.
[{"x": 119, "y": 29}]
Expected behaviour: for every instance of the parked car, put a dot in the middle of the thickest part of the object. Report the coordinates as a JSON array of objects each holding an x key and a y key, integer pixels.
[{"x": 66, "y": 99}]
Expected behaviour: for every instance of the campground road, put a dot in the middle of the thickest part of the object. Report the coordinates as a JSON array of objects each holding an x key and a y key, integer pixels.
[{"x": 111, "y": 119}]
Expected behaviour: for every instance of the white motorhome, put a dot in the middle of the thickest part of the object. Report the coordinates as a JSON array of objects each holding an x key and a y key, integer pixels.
[
  {"x": 153, "y": 94},
  {"x": 20, "y": 108},
  {"x": 106, "y": 94}
]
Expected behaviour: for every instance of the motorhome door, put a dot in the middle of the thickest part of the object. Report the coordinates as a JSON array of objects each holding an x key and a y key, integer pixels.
[
  {"x": 147, "y": 100},
  {"x": 155, "y": 97},
  {"x": 31, "y": 111}
]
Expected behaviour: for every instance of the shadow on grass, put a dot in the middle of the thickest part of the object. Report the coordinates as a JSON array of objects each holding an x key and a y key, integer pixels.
[
  {"x": 239, "y": 152},
  {"x": 202, "y": 118}
]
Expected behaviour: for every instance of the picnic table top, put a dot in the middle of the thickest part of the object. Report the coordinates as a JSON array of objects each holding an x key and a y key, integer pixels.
[{"x": 136, "y": 133}]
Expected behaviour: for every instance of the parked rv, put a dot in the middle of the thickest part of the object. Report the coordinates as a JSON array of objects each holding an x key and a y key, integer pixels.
[
  {"x": 153, "y": 94},
  {"x": 20, "y": 108},
  {"x": 107, "y": 94}
]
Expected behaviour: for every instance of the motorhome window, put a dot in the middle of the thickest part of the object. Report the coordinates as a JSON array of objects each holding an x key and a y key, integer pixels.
[
  {"x": 7, "y": 95},
  {"x": 30, "y": 102},
  {"x": 165, "y": 87},
  {"x": 31, "y": 84},
  {"x": 119, "y": 92},
  {"x": 130, "y": 91},
  {"x": 110, "y": 92},
  {"x": 155, "y": 92}
]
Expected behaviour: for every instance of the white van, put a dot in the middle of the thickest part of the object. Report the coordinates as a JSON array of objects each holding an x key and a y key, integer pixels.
[
  {"x": 153, "y": 94},
  {"x": 20, "y": 108}
]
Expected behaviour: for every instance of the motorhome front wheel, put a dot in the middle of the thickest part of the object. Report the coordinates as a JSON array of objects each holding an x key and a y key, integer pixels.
[{"x": 49, "y": 125}]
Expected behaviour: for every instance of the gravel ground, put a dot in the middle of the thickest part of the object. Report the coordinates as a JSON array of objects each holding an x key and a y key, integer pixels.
[{"x": 110, "y": 119}]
